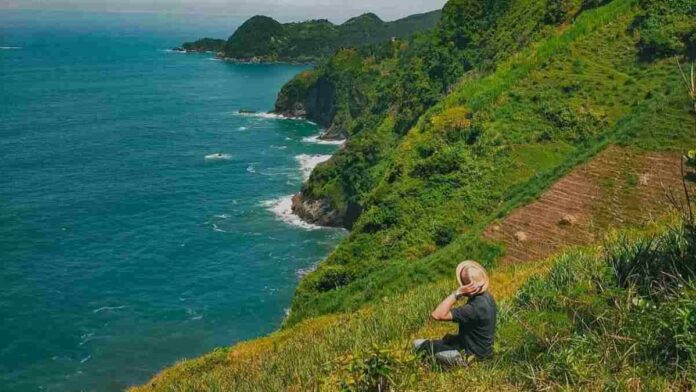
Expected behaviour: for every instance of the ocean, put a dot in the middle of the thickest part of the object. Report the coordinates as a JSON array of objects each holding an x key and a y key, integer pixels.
[{"x": 143, "y": 219}]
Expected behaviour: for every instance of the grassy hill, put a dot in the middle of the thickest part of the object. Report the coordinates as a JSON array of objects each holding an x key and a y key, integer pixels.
[
  {"x": 466, "y": 128},
  {"x": 575, "y": 322},
  {"x": 496, "y": 137}
]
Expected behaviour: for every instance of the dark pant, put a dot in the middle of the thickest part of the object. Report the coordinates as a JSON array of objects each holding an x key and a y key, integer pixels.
[
  {"x": 435, "y": 346},
  {"x": 442, "y": 352}
]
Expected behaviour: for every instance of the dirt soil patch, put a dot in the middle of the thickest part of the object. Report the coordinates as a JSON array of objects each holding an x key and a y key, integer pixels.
[{"x": 618, "y": 187}]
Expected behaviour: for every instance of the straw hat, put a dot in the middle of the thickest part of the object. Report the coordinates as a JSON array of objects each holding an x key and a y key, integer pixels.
[{"x": 477, "y": 274}]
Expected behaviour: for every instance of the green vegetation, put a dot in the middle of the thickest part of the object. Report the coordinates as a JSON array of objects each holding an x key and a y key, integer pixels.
[
  {"x": 667, "y": 28},
  {"x": 618, "y": 317},
  {"x": 449, "y": 131},
  {"x": 264, "y": 39},
  {"x": 496, "y": 140},
  {"x": 204, "y": 45}
]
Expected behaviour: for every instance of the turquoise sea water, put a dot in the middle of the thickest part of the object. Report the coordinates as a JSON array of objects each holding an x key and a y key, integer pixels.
[{"x": 122, "y": 247}]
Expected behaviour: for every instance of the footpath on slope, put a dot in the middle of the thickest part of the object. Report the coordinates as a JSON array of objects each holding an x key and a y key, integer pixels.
[{"x": 619, "y": 187}]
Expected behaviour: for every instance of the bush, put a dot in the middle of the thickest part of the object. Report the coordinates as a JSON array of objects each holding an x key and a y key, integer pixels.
[
  {"x": 444, "y": 235},
  {"x": 656, "y": 267},
  {"x": 330, "y": 277},
  {"x": 559, "y": 11},
  {"x": 367, "y": 371},
  {"x": 666, "y": 28}
]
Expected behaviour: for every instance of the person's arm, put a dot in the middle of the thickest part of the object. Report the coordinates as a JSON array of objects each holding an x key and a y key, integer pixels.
[{"x": 443, "y": 310}]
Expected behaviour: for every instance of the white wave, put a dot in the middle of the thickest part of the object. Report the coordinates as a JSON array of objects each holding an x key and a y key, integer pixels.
[
  {"x": 218, "y": 156},
  {"x": 282, "y": 209},
  {"x": 316, "y": 139},
  {"x": 251, "y": 168},
  {"x": 10, "y": 47},
  {"x": 302, "y": 272},
  {"x": 173, "y": 51},
  {"x": 218, "y": 229},
  {"x": 242, "y": 128},
  {"x": 266, "y": 115},
  {"x": 222, "y": 216},
  {"x": 103, "y": 308},
  {"x": 85, "y": 359},
  {"x": 309, "y": 162},
  {"x": 279, "y": 147}
]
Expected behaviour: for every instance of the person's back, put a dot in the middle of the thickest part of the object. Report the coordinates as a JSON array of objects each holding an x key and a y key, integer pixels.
[
  {"x": 476, "y": 322},
  {"x": 476, "y": 319}
]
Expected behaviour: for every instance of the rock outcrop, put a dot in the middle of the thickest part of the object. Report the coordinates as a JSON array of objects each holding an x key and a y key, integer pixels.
[
  {"x": 318, "y": 212},
  {"x": 309, "y": 97}
]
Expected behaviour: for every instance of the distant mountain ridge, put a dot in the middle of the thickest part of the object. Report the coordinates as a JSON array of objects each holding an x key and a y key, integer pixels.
[{"x": 263, "y": 39}]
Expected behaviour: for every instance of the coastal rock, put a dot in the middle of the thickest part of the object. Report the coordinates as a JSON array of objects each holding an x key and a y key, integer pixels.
[
  {"x": 318, "y": 212},
  {"x": 312, "y": 98}
]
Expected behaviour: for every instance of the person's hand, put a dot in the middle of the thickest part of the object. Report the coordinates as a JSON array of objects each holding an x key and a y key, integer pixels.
[{"x": 468, "y": 290}]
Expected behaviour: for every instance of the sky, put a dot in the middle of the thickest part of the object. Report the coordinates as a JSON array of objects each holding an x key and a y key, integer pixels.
[{"x": 283, "y": 10}]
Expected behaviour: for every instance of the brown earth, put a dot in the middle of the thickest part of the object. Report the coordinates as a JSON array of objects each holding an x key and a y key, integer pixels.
[{"x": 618, "y": 187}]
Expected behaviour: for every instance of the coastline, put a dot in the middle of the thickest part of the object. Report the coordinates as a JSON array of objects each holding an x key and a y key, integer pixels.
[
  {"x": 292, "y": 209},
  {"x": 250, "y": 60}
]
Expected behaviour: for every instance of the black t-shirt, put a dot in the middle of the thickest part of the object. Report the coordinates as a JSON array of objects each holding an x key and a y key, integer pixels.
[{"x": 476, "y": 325}]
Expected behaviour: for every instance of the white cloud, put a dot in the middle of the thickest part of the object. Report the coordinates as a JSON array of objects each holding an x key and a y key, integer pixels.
[{"x": 284, "y": 10}]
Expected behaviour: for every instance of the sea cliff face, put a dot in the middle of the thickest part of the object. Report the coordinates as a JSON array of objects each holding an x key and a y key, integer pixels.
[
  {"x": 313, "y": 97},
  {"x": 310, "y": 97},
  {"x": 316, "y": 211}
]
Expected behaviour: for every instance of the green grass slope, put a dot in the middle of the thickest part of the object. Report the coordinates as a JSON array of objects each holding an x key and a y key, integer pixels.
[
  {"x": 448, "y": 132},
  {"x": 617, "y": 317},
  {"x": 498, "y": 139}
]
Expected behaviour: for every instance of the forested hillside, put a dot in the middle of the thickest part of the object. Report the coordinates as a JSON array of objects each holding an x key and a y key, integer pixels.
[
  {"x": 204, "y": 45},
  {"x": 263, "y": 39},
  {"x": 433, "y": 155},
  {"x": 454, "y": 136}
]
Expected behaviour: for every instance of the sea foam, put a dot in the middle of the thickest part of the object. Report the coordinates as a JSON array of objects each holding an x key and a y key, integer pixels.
[
  {"x": 282, "y": 209},
  {"x": 309, "y": 162},
  {"x": 265, "y": 115},
  {"x": 316, "y": 139},
  {"x": 218, "y": 156}
]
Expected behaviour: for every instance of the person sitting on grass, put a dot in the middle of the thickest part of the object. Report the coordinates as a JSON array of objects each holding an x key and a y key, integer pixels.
[{"x": 476, "y": 319}]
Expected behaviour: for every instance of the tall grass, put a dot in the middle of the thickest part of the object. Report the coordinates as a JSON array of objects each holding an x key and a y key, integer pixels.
[{"x": 577, "y": 327}]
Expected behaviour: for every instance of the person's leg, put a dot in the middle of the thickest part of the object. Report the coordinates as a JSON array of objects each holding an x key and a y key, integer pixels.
[
  {"x": 443, "y": 353},
  {"x": 450, "y": 358},
  {"x": 431, "y": 347}
]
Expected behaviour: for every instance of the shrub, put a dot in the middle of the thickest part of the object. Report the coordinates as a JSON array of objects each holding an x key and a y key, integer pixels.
[
  {"x": 367, "y": 371},
  {"x": 559, "y": 11},
  {"x": 656, "y": 267},
  {"x": 444, "y": 235},
  {"x": 666, "y": 28},
  {"x": 330, "y": 277},
  {"x": 666, "y": 330}
]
